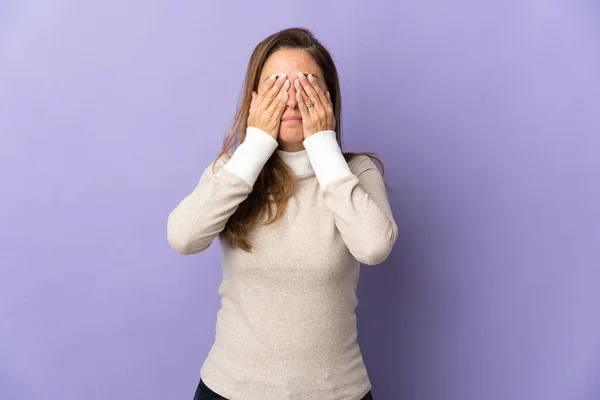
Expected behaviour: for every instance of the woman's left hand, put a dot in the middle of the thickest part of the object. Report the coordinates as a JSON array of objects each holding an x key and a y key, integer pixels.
[{"x": 318, "y": 117}]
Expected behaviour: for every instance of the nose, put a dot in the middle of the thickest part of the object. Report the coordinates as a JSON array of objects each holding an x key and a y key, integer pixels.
[{"x": 292, "y": 101}]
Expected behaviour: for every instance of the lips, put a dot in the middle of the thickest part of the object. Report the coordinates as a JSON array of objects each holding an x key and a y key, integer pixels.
[{"x": 292, "y": 119}]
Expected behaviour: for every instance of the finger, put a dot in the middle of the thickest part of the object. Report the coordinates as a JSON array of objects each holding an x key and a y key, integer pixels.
[
  {"x": 283, "y": 103},
  {"x": 316, "y": 85},
  {"x": 300, "y": 98},
  {"x": 278, "y": 96},
  {"x": 253, "y": 98},
  {"x": 278, "y": 104},
  {"x": 309, "y": 90},
  {"x": 303, "y": 98},
  {"x": 264, "y": 86},
  {"x": 274, "y": 91}
]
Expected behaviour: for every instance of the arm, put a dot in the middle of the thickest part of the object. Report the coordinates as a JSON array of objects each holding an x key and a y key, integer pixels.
[
  {"x": 357, "y": 198},
  {"x": 200, "y": 216}
]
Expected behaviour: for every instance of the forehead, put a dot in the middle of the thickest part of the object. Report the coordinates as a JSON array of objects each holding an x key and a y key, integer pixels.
[{"x": 291, "y": 62}]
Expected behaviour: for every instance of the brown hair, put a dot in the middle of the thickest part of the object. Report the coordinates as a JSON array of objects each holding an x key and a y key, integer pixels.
[{"x": 276, "y": 178}]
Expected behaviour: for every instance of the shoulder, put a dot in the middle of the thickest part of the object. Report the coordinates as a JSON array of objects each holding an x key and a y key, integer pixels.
[{"x": 361, "y": 163}]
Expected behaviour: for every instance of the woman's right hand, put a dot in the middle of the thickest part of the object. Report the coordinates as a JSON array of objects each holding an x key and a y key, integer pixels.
[{"x": 268, "y": 104}]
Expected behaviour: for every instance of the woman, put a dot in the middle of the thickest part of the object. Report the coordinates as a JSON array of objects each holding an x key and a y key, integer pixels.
[{"x": 295, "y": 217}]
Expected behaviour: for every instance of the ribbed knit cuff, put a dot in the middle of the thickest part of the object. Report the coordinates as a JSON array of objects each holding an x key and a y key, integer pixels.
[
  {"x": 326, "y": 157},
  {"x": 251, "y": 155}
]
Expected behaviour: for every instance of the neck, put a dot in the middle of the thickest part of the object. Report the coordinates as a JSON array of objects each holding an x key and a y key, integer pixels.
[{"x": 298, "y": 161}]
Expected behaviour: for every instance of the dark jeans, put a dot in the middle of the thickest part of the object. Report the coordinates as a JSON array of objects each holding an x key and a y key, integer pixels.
[{"x": 203, "y": 392}]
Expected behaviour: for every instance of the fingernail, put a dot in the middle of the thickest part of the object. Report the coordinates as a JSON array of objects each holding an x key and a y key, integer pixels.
[
  {"x": 310, "y": 76},
  {"x": 299, "y": 73},
  {"x": 287, "y": 82},
  {"x": 272, "y": 76}
]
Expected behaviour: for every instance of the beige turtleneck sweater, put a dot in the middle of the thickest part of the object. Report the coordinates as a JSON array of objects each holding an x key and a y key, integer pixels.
[{"x": 286, "y": 328}]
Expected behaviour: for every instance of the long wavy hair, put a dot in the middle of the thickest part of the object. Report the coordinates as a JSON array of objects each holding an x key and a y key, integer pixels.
[{"x": 276, "y": 178}]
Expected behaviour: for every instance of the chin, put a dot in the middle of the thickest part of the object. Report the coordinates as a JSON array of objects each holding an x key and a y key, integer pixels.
[{"x": 293, "y": 136}]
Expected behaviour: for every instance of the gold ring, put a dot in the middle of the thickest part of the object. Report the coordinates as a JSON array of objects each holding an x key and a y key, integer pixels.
[{"x": 309, "y": 105}]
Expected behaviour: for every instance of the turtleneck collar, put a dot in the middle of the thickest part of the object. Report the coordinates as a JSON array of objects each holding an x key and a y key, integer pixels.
[{"x": 298, "y": 161}]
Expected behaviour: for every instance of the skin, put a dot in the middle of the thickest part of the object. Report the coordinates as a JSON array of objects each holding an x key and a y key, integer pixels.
[{"x": 301, "y": 90}]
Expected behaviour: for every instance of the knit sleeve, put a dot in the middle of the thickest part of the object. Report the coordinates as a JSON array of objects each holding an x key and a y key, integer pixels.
[
  {"x": 356, "y": 194},
  {"x": 194, "y": 223}
]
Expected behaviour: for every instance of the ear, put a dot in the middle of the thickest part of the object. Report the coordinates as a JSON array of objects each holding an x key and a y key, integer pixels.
[{"x": 254, "y": 94}]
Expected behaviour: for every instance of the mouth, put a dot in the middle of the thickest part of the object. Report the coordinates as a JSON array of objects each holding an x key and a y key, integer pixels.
[{"x": 292, "y": 119}]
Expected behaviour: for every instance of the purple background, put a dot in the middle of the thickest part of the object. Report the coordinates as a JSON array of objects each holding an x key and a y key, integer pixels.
[{"x": 487, "y": 119}]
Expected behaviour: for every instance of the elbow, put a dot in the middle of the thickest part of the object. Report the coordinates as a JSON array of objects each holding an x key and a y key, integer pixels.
[
  {"x": 184, "y": 245},
  {"x": 179, "y": 244},
  {"x": 181, "y": 240},
  {"x": 374, "y": 257},
  {"x": 378, "y": 250}
]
